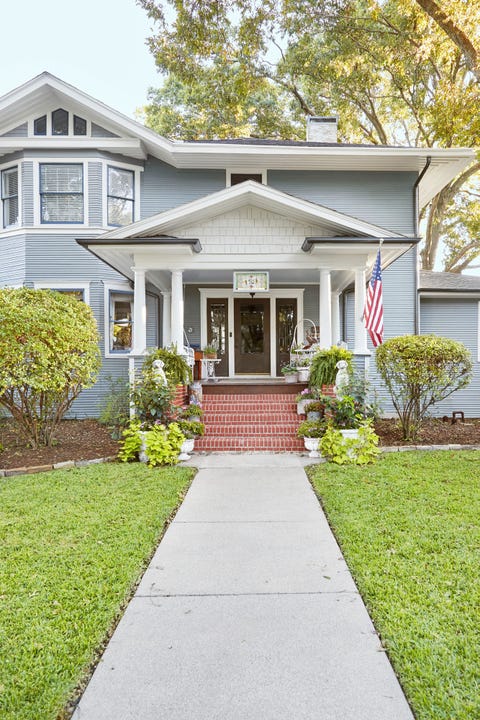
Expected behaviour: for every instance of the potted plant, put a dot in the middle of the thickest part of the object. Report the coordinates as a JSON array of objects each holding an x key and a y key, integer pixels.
[
  {"x": 190, "y": 429},
  {"x": 323, "y": 368},
  {"x": 314, "y": 410},
  {"x": 191, "y": 412},
  {"x": 303, "y": 368},
  {"x": 290, "y": 373},
  {"x": 305, "y": 397},
  {"x": 210, "y": 352},
  {"x": 311, "y": 431}
]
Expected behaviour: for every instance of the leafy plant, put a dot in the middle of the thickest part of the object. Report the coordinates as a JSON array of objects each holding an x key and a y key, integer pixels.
[
  {"x": 315, "y": 406},
  {"x": 190, "y": 411},
  {"x": 355, "y": 451},
  {"x": 153, "y": 402},
  {"x": 289, "y": 369},
  {"x": 419, "y": 371},
  {"x": 191, "y": 428},
  {"x": 210, "y": 350},
  {"x": 175, "y": 366},
  {"x": 307, "y": 394},
  {"x": 132, "y": 441},
  {"x": 163, "y": 443},
  {"x": 311, "y": 429},
  {"x": 115, "y": 413},
  {"x": 49, "y": 353},
  {"x": 342, "y": 412},
  {"x": 323, "y": 368}
]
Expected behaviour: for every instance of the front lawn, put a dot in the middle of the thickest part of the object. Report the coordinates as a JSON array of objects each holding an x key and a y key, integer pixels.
[
  {"x": 72, "y": 545},
  {"x": 409, "y": 530}
]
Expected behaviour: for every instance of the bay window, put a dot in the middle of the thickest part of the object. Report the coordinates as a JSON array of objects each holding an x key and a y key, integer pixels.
[
  {"x": 61, "y": 193},
  {"x": 10, "y": 197}
]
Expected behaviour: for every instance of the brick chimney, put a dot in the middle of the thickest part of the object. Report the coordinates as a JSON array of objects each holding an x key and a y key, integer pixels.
[{"x": 322, "y": 129}]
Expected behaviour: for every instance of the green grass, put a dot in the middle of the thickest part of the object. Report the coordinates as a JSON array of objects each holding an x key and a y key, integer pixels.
[
  {"x": 409, "y": 529},
  {"x": 72, "y": 545}
]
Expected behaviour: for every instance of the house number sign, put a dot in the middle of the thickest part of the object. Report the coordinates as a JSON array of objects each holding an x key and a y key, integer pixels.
[{"x": 256, "y": 281}]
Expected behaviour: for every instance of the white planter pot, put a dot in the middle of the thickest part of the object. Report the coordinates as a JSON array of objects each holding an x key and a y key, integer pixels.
[
  {"x": 291, "y": 378},
  {"x": 303, "y": 374},
  {"x": 301, "y": 406},
  {"x": 312, "y": 444},
  {"x": 350, "y": 433},
  {"x": 187, "y": 447}
]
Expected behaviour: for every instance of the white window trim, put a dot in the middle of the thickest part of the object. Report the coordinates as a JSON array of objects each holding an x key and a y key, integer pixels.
[
  {"x": 108, "y": 289},
  {"x": 136, "y": 189},
  {"x": 272, "y": 295},
  {"x": 48, "y": 112},
  {"x": 37, "y": 220},
  {"x": 73, "y": 285},
  {"x": 243, "y": 171},
  {"x": 8, "y": 166}
]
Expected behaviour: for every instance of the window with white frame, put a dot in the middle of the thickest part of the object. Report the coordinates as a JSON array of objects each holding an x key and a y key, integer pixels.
[
  {"x": 10, "y": 197},
  {"x": 120, "y": 196},
  {"x": 121, "y": 321},
  {"x": 61, "y": 193},
  {"x": 78, "y": 290}
]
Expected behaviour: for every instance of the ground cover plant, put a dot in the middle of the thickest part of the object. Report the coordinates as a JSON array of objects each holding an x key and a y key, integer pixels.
[
  {"x": 409, "y": 528},
  {"x": 72, "y": 545}
]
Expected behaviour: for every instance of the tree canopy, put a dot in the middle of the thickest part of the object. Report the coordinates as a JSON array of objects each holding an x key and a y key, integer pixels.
[{"x": 401, "y": 72}]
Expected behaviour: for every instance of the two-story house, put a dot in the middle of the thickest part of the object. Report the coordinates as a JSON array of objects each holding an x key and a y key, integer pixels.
[{"x": 232, "y": 241}]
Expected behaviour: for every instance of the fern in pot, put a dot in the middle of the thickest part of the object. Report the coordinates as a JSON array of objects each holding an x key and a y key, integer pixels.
[{"x": 323, "y": 368}]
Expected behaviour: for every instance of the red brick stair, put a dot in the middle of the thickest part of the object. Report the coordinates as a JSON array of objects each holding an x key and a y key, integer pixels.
[{"x": 250, "y": 421}]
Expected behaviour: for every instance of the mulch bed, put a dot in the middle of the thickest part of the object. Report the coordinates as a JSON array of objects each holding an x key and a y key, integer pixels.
[{"x": 88, "y": 440}]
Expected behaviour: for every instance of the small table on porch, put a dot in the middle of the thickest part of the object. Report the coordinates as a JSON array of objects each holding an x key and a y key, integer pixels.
[{"x": 208, "y": 368}]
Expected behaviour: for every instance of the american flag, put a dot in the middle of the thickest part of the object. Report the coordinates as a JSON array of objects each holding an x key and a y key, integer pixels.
[{"x": 373, "y": 313}]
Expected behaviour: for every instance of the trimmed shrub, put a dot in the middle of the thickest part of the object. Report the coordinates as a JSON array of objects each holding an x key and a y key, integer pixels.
[
  {"x": 48, "y": 354},
  {"x": 419, "y": 371}
]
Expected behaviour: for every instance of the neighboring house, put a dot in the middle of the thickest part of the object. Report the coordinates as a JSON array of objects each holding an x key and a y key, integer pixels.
[{"x": 150, "y": 232}]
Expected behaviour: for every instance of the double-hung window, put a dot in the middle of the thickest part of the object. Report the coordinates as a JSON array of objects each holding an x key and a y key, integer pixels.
[
  {"x": 10, "y": 196},
  {"x": 121, "y": 321},
  {"x": 120, "y": 196},
  {"x": 61, "y": 193}
]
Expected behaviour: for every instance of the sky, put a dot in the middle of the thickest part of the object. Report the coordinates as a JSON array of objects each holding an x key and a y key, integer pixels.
[{"x": 96, "y": 45}]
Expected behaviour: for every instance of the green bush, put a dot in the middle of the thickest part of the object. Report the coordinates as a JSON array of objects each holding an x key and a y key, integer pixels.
[
  {"x": 350, "y": 451},
  {"x": 323, "y": 370},
  {"x": 48, "y": 354},
  {"x": 419, "y": 371},
  {"x": 162, "y": 443}
]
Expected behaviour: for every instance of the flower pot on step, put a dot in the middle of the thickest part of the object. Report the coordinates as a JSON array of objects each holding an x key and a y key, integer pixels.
[
  {"x": 187, "y": 447},
  {"x": 303, "y": 374}
]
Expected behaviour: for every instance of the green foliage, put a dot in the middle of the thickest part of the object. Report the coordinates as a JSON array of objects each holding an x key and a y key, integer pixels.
[
  {"x": 323, "y": 369},
  {"x": 191, "y": 428},
  {"x": 132, "y": 441},
  {"x": 393, "y": 76},
  {"x": 175, "y": 366},
  {"x": 315, "y": 406},
  {"x": 350, "y": 451},
  {"x": 49, "y": 353},
  {"x": 73, "y": 546},
  {"x": 153, "y": 402},
  {"x": 209, "y": 350},
  {"x": 311, "y": 429},
  {"x": 163, "y": 443},
  {"x": 190, "y": 411},
  {"x": 289, "y": 370},
  {"x": 343, "y": 412},
  {"x": 115, "y": 413},
  {"x": 409, "y": 529},
  {"x": 419, "y": 371}
]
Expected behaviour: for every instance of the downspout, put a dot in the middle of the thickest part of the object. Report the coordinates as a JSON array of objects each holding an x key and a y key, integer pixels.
[{"x": 416, "y": 212}]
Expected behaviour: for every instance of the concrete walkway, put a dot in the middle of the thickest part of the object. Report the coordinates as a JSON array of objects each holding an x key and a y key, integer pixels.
[{"x": 246, "y": 612}]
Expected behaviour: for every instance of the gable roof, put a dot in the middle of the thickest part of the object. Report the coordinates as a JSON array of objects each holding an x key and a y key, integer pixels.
[
  {"x": 138, "y": 141},
  {"x": 253, "y": 193}
]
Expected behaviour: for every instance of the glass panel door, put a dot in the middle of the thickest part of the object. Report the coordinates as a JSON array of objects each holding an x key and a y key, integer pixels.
[
  {"x": 286, "y": 320},
  {"x": 252, "y": 336},
  {"x": 217, "y": 332}
]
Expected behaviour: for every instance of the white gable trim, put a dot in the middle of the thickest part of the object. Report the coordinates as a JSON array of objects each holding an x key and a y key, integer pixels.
[{"x": 248, "y": 193}]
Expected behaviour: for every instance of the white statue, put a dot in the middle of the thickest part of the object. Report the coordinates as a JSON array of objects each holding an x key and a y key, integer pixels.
[
  {"x": 342, "y": 378},
  {"x": 159, "y": 373}
]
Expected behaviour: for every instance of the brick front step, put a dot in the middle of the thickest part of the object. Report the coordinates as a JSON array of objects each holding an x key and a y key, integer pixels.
[{"x": 250, "y": 421}]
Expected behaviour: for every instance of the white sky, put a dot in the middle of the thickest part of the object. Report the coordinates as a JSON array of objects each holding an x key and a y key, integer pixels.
[{"x": 96, "y": 45}]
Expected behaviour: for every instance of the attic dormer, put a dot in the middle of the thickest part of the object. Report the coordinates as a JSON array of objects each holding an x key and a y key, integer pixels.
[{"x": 60, "y": 122}]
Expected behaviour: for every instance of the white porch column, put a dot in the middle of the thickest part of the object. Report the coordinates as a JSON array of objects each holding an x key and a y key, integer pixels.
[
  {"x": 360, "y": 342},
  {"x": 177, "y": 309},
  {"x": 139, "y": 313},
  {"x": 167, "y": 318},
  {"x": 335, "y": 318},
  {"x": 325, "y": 313}
]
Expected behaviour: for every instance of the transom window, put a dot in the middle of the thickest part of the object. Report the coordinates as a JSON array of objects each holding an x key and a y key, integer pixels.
[
  {"x": 10, "y": 196},
  {"x": 61, "y": 122},
  {"x": 121, "y": 321},
  {"x": 61, "y": 193},
  {"x": 120, "y": 196}
]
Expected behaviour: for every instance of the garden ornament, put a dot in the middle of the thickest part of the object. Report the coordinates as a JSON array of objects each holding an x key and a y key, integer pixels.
[
  {"x": 341, "y": 379},
  {"x": 159, "y": 373}
]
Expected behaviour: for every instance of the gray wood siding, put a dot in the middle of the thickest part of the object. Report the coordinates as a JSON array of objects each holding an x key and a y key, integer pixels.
[
  {"x": 456, "y": 319},
  {"x": 12, "y": 265},
  {"x": 99, "y": 131},
  {"x": 152, "y": 320},
  {"x": 164, "y": 187},
  {"x": 95, "y": 194},
  {"x": 27, "y": 193},
  {"x": 381, "y": 198},
  {"x": 311, "y": 305},
  {"x": 20, "y": 131}
]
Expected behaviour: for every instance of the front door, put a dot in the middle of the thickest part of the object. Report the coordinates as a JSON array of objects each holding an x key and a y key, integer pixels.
[{"x": 252, "y": 336}]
